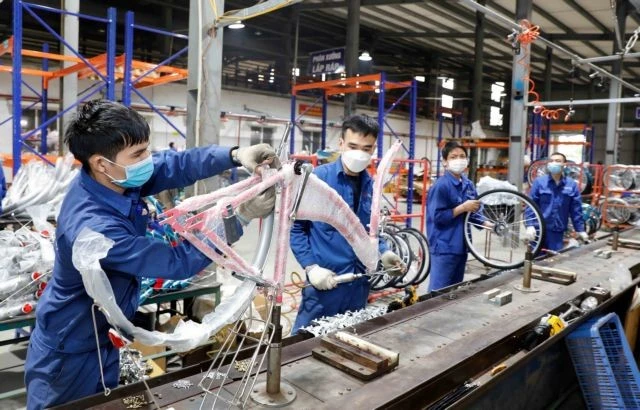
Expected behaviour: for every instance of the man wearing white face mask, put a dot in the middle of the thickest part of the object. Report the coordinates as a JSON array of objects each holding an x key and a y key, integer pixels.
[
  {"x": 558, "y": 198},
  {"x": 321, "y": 250},
  {"x": 450, "y": 198}
]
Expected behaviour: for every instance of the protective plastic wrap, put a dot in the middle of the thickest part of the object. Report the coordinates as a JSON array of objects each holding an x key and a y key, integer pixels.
[
  {"x": 91, "y": 246},
  {"x": 489, "y": 184},
  {"x": 38, "y": 183},
  {"x": 378, "y": 186}
]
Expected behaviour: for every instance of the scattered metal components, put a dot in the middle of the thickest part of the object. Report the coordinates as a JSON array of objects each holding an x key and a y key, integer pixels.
[
  {"x": 241, "y": 365},
  {"x": 135, "y": 402},
  {"x": 215, "y": 375},
  {"x": 182, "y": 384},
  {"x": 326, "y": 325},
  {"x": 132, "y": 368}
]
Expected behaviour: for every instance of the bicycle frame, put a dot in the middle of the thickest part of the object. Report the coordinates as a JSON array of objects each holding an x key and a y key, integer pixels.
[{"x": 203, "y": 229}]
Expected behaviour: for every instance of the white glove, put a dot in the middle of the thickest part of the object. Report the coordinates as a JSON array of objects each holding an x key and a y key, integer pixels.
[
  {"x": 258, "y": 207},
  {"x": 321, "y": 278},
  {"x": 393, "y": 264},
  {"x": 251, "y": 157},
  {"x": 583, "y": 236},
  {"x": 530, "y": 234}
]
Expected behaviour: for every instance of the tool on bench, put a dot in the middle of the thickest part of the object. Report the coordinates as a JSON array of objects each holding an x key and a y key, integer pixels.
[
  {"x": 356, "y": 356},
  {"x": 410, "y": 298},
  {"x": 525, "y": 287},
  {"x": 547, "y": 274}
]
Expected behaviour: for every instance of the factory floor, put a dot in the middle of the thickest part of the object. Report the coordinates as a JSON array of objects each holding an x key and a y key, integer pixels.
[{"x": 12, "y": 356}]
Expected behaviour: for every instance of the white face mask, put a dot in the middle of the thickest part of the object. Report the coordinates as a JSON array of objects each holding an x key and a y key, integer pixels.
[
  {"x": 458, "y": 165},
  {"x": 355, "y": 160}
]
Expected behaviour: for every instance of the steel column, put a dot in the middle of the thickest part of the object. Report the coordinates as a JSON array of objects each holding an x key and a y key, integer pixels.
[
  {"x": 519, "y": 97},
  {"x": 478, "y": 62},
  {"x": 16, "y": 84},
  {"x": 69, "y": 83},
  {"x": 351, "y": 52},
  {"x": 325, "y": 103},
  {"x": 294, "y": 124},
  {"x": 381, "y": 96},
  {"x": 44, "y": 95},
  {"x": 615, "y": 91},
  {"x": 412, "y": 149},
  {"x": 548, "y": 70},
  {"x": 112, "y": 15},
  {"x": 128, "y": 58}
]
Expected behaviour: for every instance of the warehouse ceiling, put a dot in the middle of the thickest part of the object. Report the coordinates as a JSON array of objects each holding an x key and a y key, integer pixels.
[{"x": 405, "y": 37}]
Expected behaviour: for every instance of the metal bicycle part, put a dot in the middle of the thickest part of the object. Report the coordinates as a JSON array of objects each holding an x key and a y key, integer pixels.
[
  {"x": 504, "y": 246},
  {"x": 419, "y": 258},
  {"x": 615, "y": 211},
  {"x": 384, "y": 281},
  {"x": 619, "y": 178}
]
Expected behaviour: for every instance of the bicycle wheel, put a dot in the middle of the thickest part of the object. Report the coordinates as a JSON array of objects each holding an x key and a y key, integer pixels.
[
  {"x": 504, "y": 245},
  {"x": 537, "y": 169},
  {"x": 400, "y": 248},
  {"x": 615, "y": 211},
  {"x": 419, "y": 258},
  {"x": 421, "y": 263}
]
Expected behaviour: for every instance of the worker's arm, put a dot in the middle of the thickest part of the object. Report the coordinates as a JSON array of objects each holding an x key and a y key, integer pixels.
[
  {"x": 180, "y": 169},
  {"x": 299, "y": 241},
  {"x": 576, "y": 209},
  {"x": 147, "y": 257}
]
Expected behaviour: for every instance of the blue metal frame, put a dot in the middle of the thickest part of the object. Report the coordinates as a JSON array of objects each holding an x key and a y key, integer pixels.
[
  {"x": 128, "y": 86},
  {"x": 108, "y": 82},
  {"x": 44, "y": 98}
]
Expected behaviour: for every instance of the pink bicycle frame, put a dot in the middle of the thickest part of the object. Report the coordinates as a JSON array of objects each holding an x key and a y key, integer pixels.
[{"x": 318, "y": 202}]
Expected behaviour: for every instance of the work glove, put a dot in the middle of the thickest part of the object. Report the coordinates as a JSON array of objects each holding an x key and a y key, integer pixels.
[
  {"x": 254, "y": 155},
  {"x": 392, "y": 264},
  {"x": 583, "y": 236},
  {"x": 530, "y": 234},
  {"x": 258, "y": 207},
  {"x": 321, "y": 278}
]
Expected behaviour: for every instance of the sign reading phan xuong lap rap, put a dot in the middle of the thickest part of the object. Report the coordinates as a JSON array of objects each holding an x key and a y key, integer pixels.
[{"x": 326, "y": 62}]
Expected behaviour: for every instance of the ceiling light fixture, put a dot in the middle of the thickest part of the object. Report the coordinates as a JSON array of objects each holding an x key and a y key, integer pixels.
[
  {"x": 420, "y": 78},
  {"x": 237, "y": 25},
  {"x": 365, "y": 56}
]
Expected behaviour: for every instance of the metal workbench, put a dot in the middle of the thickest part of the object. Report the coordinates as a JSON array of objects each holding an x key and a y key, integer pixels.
[{"x": 443, "y": 342}]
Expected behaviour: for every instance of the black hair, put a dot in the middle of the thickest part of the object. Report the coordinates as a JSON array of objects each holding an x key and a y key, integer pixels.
[
  {"x": 105, "y": 128},
  {"x": 564, "y": 157},
  {"x": 171, "y": 144},
  {"x": 450, "y": 146},
  {"x": 361, "y": 124}
]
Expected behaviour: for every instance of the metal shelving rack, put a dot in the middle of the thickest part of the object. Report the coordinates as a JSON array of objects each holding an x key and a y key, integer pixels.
[{"x": 96, "y": 65}]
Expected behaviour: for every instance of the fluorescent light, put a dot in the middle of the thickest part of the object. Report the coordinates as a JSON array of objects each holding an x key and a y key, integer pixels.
[
  {"x": 365, "y": 56},
  {"x": 237, "y": 25},
  {"x": 420, "y": 78}
]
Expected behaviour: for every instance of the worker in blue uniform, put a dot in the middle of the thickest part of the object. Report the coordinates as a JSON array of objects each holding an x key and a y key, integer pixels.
[
  {"x": 321, "y": 250},
  {"x": 451, "y": 197},
  {"x": 558, "y": 198},
  {"x": 70, "y": 356}
]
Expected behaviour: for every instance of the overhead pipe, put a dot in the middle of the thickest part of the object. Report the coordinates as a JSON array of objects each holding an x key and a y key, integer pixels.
[
  {"x": 586, "y": 102},
  {"x": 505, "y": 21}
]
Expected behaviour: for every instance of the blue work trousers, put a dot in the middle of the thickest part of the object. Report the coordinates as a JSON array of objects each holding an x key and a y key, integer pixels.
[
  {"x": 446, "y": 270},
  {"x": 53, "y": 377}
]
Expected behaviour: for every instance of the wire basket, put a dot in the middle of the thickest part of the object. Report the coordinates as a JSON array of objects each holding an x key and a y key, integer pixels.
[{"x": 605, "y": 367}]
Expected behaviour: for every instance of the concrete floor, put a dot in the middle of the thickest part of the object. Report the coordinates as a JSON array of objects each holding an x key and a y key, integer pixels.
[{"x": 12, "y": 356}]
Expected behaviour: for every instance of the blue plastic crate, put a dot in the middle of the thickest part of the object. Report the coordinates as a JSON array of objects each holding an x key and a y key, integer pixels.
[{"x": 606, "y": 370}]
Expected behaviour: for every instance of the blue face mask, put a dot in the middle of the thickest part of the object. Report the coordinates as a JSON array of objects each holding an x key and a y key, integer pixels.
[
  {"x": 136, "y": 174},
  {"x": 554, "y": 168}
]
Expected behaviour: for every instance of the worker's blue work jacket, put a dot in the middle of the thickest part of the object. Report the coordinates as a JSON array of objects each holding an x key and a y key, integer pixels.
[
  {"x": 319, "y": 243},
  {"x": 64, "y": 328},
  {"x": 444, "y": 231},
  {"x": 557, "y": 202}
]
